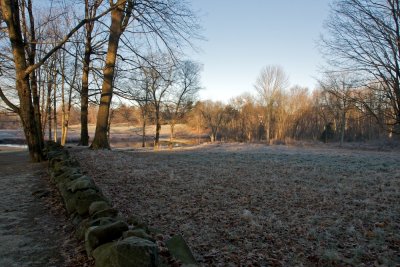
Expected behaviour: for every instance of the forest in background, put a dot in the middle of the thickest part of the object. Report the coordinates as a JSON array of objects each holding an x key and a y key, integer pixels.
[
  {"x": 274, "y": 113},
  {"x": 123, "y": 60}
]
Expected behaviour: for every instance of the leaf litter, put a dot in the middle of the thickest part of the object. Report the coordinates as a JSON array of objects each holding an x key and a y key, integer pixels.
[{"x": 256, "y": 205}]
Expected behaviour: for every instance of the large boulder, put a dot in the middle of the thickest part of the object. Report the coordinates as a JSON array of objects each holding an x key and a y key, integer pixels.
[
  {"x": 129, "y": 252},
  {"x": 98, "y": 235}
]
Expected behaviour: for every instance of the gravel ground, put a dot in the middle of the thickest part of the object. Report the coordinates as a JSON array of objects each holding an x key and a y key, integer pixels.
[
  {"x": 239, "y": 204},
  {"x": 34, "y": 230}
]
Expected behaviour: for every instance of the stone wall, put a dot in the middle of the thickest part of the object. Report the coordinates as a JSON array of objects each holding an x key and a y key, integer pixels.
[{"x": 109, "y": 238}]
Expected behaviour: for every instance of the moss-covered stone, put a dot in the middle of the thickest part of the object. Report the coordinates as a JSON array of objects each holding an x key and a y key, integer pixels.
[
  {"x": 110, "y": 212},
  {"x": 81, "y": 183},
  {"x": 180, "y": 250},
  {"x": 129, "y": 252},
  {"x": 98, "y": 235},
  {"x": 98, "y": 206},
  {"x": 67, "y": 175},
  {"x": 85, "y": 224},
  {"x": 80, "y": 201},
  {"x": 138, "y": 232}
]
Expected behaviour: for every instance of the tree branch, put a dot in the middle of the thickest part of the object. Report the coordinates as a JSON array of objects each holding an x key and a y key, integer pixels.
[
  {"x": 8, "y": 102},
  {"x": 65, "y": 39}
]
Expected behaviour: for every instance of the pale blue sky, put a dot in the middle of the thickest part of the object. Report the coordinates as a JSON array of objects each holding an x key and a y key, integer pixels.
[{"x": 244, "y": 36}]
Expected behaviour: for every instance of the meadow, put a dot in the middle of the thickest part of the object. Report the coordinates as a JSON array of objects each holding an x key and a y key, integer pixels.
[{"x": 252, "y": 204}]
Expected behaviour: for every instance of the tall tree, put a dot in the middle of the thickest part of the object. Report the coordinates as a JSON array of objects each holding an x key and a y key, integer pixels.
[
  {"x": 270, "y": 84},
  {"x": 161, "y": 27},
  {"x": 24, "y": 66},
  {"x": 340, "y": 87},
  {"x": 91, "y": 8},
  {"x": 26, "y": 110},
  {"x": 183, "y": 94},
  {"x": 213, "y": 114},
  {"x": 364, "y": 37},
  {"x": 120, "y": 16}
]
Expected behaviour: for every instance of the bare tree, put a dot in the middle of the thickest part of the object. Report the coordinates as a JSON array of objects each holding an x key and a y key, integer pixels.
[
  {"x": 91, "y": 8},
  {"x": 23, "y": 46},
  {"x": 120, "y": 16},
  {"x": 162, "y": 26},
  {"x": 159, "y": 84},
  {"x": 213, "y": 114},
  {"x": 183, "y": 93},
  {"x": 363, "y": 37},
  {"x": 270, "y": 84},
  {"x": 341, "y": 87}
]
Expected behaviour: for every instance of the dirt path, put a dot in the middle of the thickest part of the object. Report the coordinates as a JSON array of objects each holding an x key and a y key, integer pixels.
[{"x": 34, "y": 230}]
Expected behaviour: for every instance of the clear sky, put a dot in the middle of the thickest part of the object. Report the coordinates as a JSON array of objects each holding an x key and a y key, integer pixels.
[{"x": 244, "y": 36}]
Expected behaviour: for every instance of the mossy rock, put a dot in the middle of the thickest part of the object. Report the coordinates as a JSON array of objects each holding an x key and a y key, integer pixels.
[
  {"x": 59, "y": 161},
  {"x": 138, "y": 232},
  {"x": 98, "y": 206},
  {"x": 67, "y": 175},
  {"x": 180, "y": 250},
  {"x": 129, "y": 252},
  {"x": 98, "y": 235},
  {"x": 80, "y": 201},
  {"x": 110, "y": 212},
  {"x": 81, "y": 183},
  {"x": 85, "y": 224}
]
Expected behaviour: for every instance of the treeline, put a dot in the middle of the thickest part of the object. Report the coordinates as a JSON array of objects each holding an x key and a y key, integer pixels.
[
  {"x": 58, "y": 55},
  {"x": 276, "y": 113}
]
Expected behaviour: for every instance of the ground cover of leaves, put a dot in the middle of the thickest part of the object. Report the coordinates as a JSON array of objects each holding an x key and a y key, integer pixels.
[{"x": 239, "y": 204}]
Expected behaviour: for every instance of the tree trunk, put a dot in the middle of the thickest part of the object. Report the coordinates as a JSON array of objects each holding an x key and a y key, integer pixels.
[
  {"x": 342, "y": 127},
  {"x": 55, "y": 107},
  {"x": 268, "y": 127},
  {"x": 158, "y": 128},
  {"x": 68, "y": 112},
  {"x": 49, "y": 85},
  {"x": 100, "y": 140},
  {"x": 172, "y": 133},
  {"x": 84, "y": 141},
  {"x": 10, "y": 14},
  {"x": 85, "y": 88},
  {"x": 144, "y": 132}
]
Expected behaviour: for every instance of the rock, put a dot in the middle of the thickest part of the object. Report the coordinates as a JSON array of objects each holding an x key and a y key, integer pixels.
[
  {"x": 88, "y": 222},
  {"x": 110, "y": 212},
  {"x": 81, "y": 183},
  {"x": 180, "y": 250},
  {"x": 80, "y": 201},
  {"x": 98, "y": 206},
  {"x": 98, "y": 235},
  {"x": 136, "y": 221},
  {"x": 129, "y": 252},
  {"x": 68, "y": 174},
  {"x": 77, "y": 219},
  {"x": 138, "y": 232}
]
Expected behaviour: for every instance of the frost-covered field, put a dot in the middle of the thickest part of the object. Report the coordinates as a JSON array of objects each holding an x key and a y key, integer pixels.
[{"x": 240, "y": 204}]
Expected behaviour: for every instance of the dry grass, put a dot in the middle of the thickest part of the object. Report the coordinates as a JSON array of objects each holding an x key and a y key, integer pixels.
[
  {"x": 242, "y": 204},
  {"x": 127, "y": 135}
]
